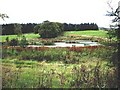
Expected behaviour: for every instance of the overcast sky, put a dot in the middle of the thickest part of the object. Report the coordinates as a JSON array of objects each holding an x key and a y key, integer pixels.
[{"x": 69, "y": 11}]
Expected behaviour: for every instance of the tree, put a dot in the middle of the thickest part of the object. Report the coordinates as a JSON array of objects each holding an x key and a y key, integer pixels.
[
  {"x": 7, "y": 29},
  {"x": 50, "y": 29},
  {"x": 28, "y": 28},
  {"x": 112, "y": 32},
  {"x": 36, "y": 28},
  {"x": 116, "y": 13},
  {"x": 3, "y": 16},
  {"x": 17, "y": 29}
]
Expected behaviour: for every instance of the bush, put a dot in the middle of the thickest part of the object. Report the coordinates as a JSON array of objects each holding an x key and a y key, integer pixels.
[
  {"x": 14, "y": 42},
  {"x": 23, "y": 42},
  {"x": 66, "y": 55}
]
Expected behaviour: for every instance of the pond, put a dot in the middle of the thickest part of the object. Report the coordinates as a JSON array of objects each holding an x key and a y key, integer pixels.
[{"x": 77, "y": 43}]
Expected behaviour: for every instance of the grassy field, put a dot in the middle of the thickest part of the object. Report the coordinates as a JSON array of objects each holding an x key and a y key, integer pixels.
[
  {"x": 58, "y": 68},
  {"x": 75, "y": 67},
  {"x": 99, "y": 33},
  {"x": 31, "y": 74},
  {"x": 28, "y": 36}
]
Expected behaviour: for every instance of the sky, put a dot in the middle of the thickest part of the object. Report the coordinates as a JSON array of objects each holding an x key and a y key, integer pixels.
[{"x": 64, "y": 11}]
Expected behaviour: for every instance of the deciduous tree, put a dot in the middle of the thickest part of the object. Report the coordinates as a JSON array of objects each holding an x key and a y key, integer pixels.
[
  {"x": 50, "y": 29},
  {"x": 18, "y": 29},
  {"x": 116, "y": 19},
  {"x": 3, "y": 16}
]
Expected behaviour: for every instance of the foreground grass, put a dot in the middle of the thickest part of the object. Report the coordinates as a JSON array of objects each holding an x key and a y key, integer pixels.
[
  {"x": 99, "y": 33},
  {"x": 33, "y": 74},
  {"x": 58, "y": 68}
]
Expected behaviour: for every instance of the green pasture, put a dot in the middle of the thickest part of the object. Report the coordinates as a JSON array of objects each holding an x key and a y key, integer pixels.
[
  {"x": 99, "y": 33},
  {"x": 28, "y": 36}
]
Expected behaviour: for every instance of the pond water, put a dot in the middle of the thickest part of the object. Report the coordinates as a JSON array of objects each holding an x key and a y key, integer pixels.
[{"x": 70, "y": 44}]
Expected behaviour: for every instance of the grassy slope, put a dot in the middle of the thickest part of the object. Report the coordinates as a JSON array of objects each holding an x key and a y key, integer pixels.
[{"x": 99, "y": 33}]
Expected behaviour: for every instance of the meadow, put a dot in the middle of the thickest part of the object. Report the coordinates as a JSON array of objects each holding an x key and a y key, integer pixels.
[
  {"x": 70, "y": 67},
  {"x": 58, "y": 68},
  {"x": 28, "y": 36},
  {"x": 99, "y": 33},
  {"x": 31, "y": 74}
]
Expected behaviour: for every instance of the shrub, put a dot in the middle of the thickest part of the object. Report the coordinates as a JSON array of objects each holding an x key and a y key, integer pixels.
[
  {"x": 23, "y": 42},
  {"x": 67, "y": 55},
  {"x": 14, "y": 42}
]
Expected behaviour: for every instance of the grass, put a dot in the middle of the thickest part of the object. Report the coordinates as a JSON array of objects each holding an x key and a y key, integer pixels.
[
  {"x": 54, "y": 74},
  {"x": 93, "y": 70},
  {"x": 28, "y": 36},
  {"x": 56, "y": 68},
  {"x": 99, "y": 33},
  {"x": 66, "y": 55}
]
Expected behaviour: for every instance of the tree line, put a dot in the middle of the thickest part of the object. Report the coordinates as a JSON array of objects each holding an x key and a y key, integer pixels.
[
  {"x": 80, "y": 27},
  {"x": 8, "y": 29}
]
